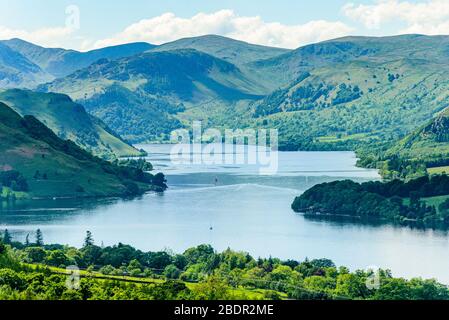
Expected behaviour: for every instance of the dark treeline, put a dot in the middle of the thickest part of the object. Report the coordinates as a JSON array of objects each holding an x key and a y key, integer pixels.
[
  {"x": 13, "y": 179},
  {"x": 379, "y": 200},
  {"x": 27, "y": 272},
  {"x": 437, "y": 185}
]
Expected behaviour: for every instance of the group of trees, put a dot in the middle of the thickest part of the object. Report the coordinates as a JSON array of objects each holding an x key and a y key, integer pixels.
[
  {"x": 392, "y": 167},
  {"x": 140, "y": 163},
  {"x": 378, "y": 200},
  {"x": 6, "y": 238},
  {"x": 14, "y": 180},
  {"x": 198, "y": 273}
]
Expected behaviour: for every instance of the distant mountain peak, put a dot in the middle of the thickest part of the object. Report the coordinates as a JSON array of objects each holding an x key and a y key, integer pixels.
[
  {"x": 235, "y": 51},
  {"x": 61, "y": 62}
]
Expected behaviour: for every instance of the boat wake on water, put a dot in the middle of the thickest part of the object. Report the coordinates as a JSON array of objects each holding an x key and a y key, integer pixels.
[{"x": 233, "y": 187}]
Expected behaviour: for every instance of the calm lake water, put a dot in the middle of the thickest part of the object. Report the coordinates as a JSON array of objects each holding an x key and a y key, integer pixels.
[{"x": 246, "y": 211}]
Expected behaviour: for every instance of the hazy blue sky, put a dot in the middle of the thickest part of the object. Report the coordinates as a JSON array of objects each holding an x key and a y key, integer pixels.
[{"x": 288, "y": 23}]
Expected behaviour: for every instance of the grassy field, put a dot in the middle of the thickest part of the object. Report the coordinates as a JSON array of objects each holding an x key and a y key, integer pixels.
[
  {"x": 432, "y": 201},
  {"x": 342, "y": 138},
  {"x": 436, "y": 201},
  {"x": 7, "y": 192},
  {"x": 438, "y": 170}
]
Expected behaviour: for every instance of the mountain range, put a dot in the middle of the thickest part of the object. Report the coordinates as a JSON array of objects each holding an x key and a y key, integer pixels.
[
  {"x": 334, "y": 95},
  {"x": 29, "y": 64}
]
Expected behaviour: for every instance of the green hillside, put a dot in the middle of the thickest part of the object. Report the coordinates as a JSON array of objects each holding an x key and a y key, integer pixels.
[
  {"x": 52, "y": 167},
  {"x": 431, "y": 141},
  {"x": 424, "y": 151},
  {"x": 356, "y": 103},
  {"x": 143, "y": 97},
  {"x": 289, "y": 66},
  {"x": 346, "y": 93},
  {"x": 335, "y": 95},
  {"x": 69, "y": 121},
  {"x": 239, "y": 53}
]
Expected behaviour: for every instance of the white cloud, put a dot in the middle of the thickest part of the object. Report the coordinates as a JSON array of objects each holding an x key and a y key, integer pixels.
[
  {"x": 428, "y": 17},
  {"x": 169, "y": 27},
  {"x": 48, "y": 37}
]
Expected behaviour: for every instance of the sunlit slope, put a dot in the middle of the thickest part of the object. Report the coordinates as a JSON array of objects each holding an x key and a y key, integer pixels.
[
  {"x": 429, "y": 143},
  {"x": 52, "y": 167},
  {"x": 68, "y": 120}
]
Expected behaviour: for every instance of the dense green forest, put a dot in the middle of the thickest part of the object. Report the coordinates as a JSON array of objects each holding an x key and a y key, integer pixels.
[
  {"x": 399, "y": 201},
  {"x": 35, "y": 271}
]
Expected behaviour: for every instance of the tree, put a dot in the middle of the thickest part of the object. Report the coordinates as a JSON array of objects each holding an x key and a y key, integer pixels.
[
  {"x": 39, "y": 238},
  {"x": 2, "y": 248},
  {"x": 89, "y": 240},
  {"x": 131, "y": 189},
  {"x": 160, "y": 181},
  {"x": 36, "y": 254},
  {"x": 135, "y": 265},
  {"x": 27, "y": 240},
  {"x": 6, "y": 237},
  {"x": 213, "y": 289},
  {"x": 172, "y": 272},
  {"x": 57, "y": 258},
  {"x": 351, "y": 286}
]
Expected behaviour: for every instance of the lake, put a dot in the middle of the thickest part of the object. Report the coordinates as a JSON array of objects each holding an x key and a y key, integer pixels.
[{"x": 233, "y": 206}]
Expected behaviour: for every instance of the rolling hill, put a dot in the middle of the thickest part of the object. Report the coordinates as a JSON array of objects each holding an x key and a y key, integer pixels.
[
  {"x": 52, "y": 167},
  {"x": 357, "y": 90},
  {"x": 287, "y": 67},
  {"x": 69, "y": 120},
  {"x": 239, "y": 53}
]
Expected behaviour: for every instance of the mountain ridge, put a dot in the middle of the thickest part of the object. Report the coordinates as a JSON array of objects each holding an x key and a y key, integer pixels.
[
  {"x": 235, "y": 51},
  {"x": 58, "y": 62},
  {"x": 15, "y": 69}
]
